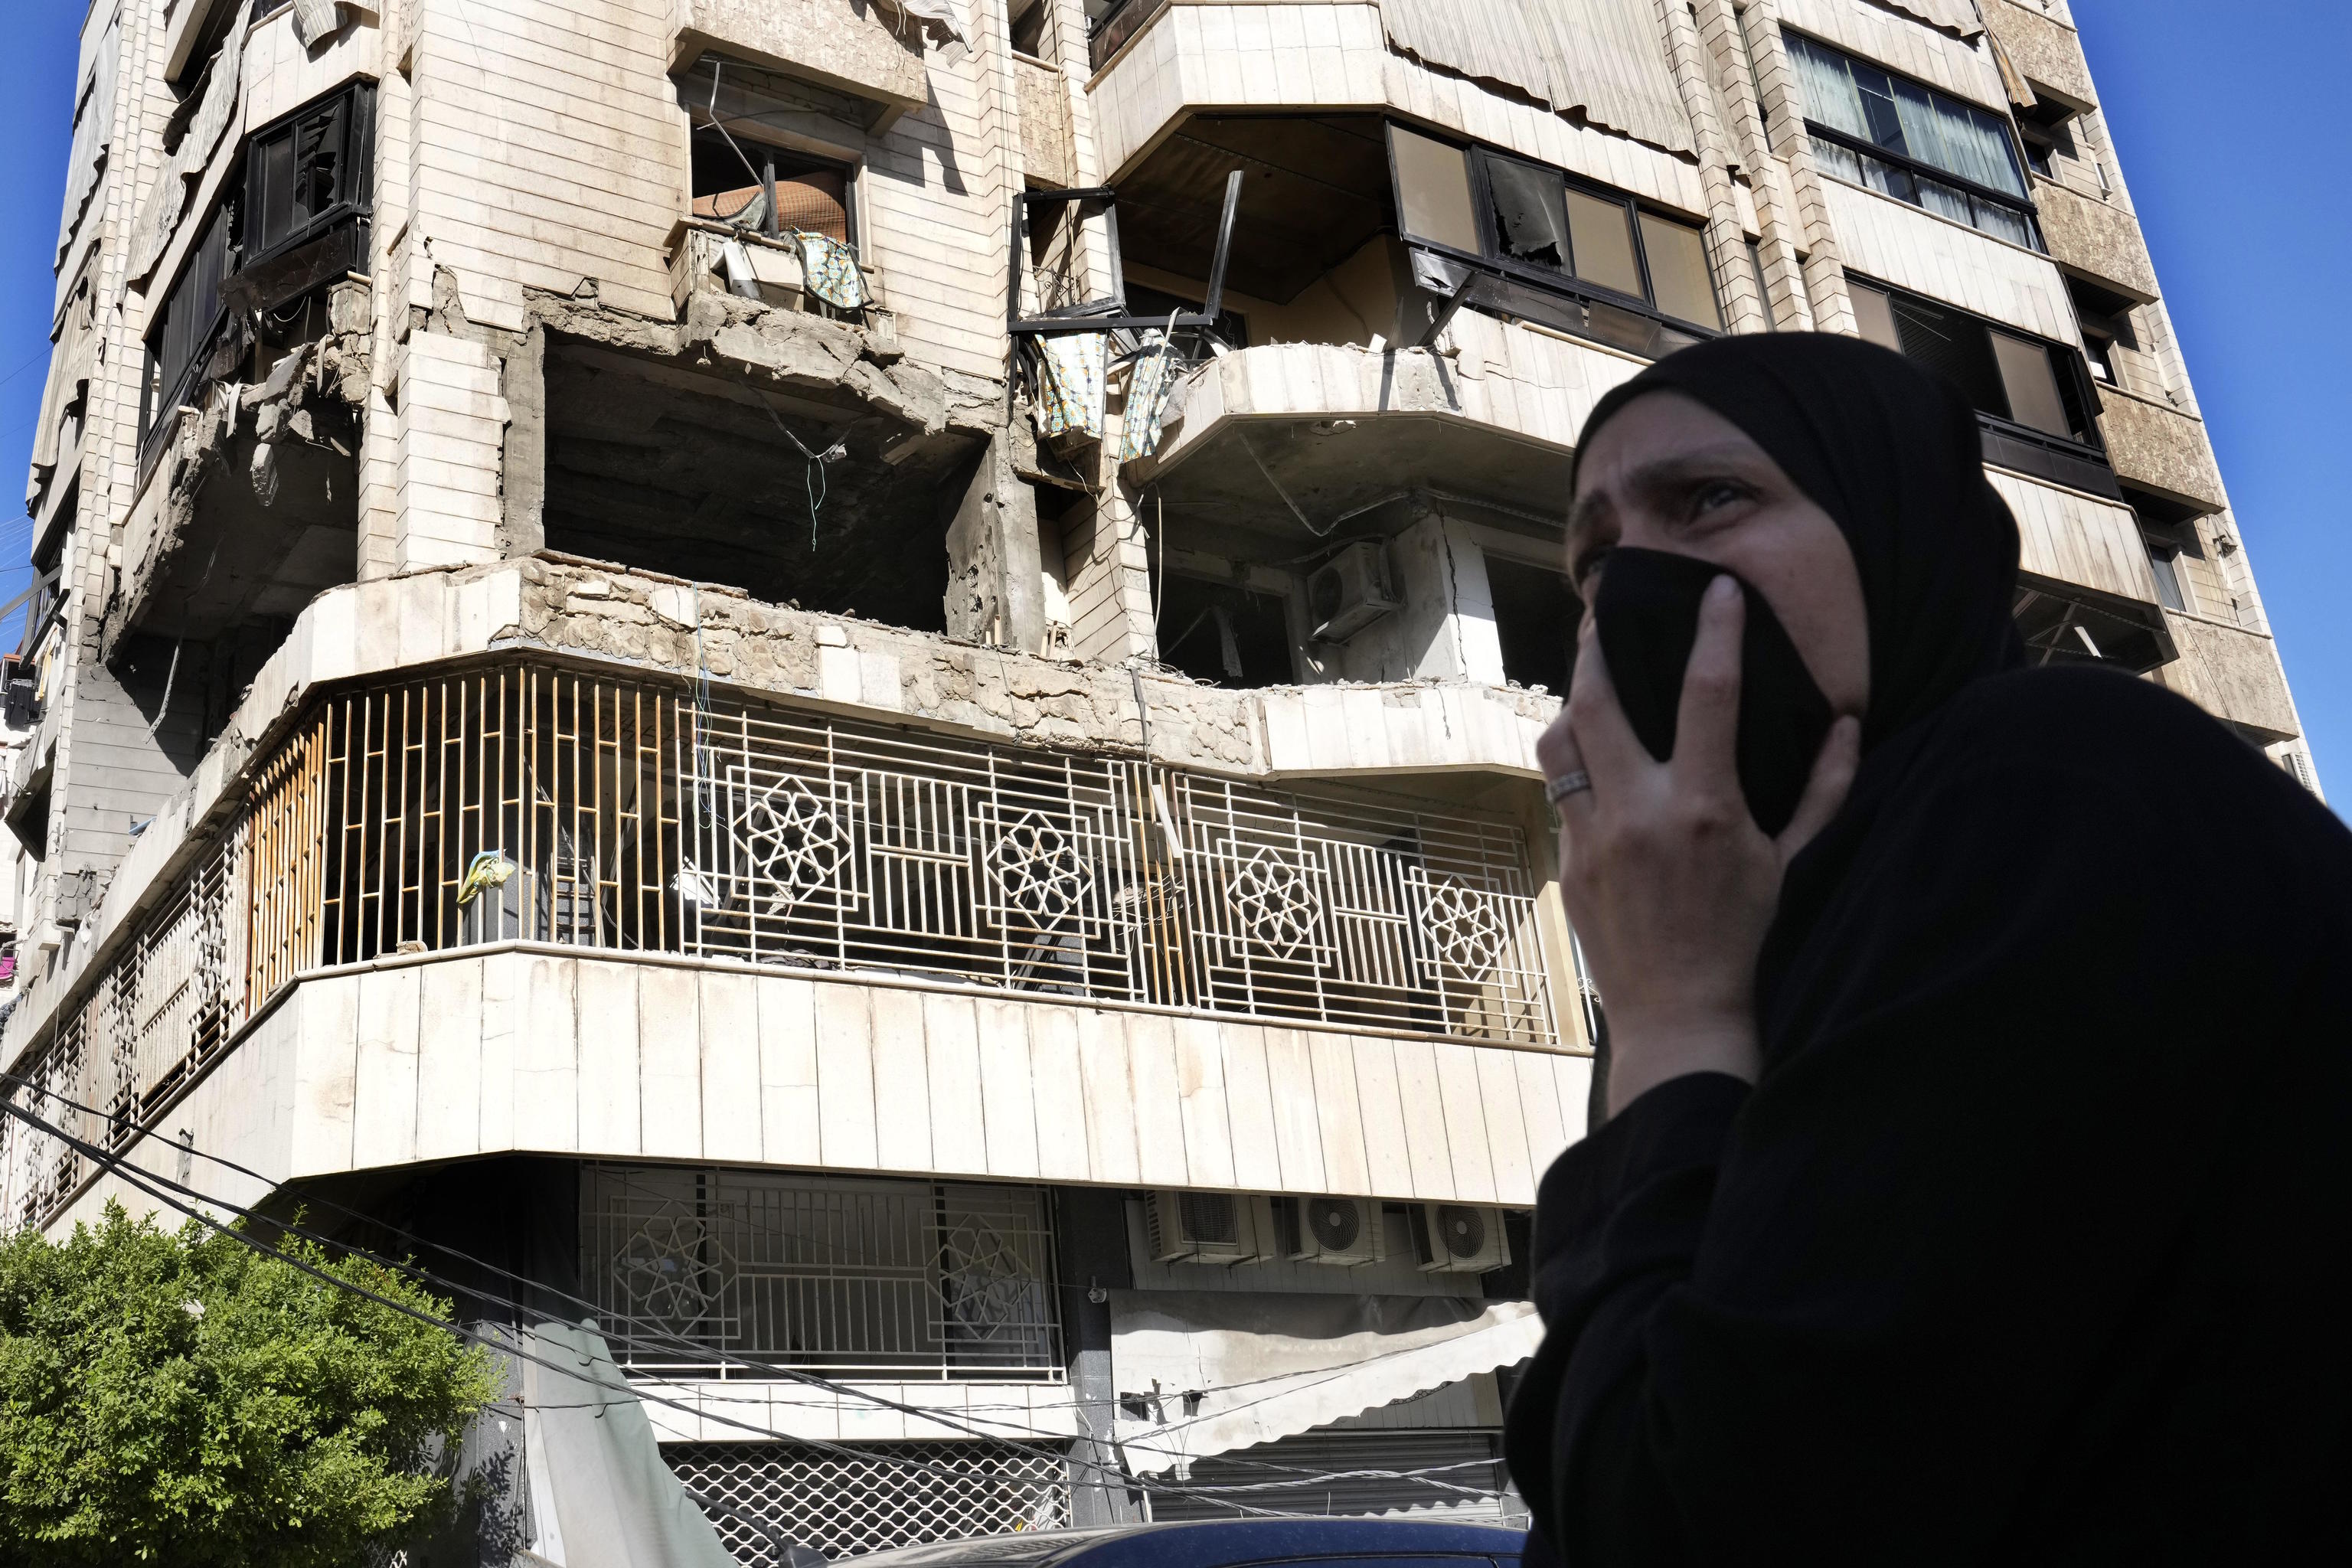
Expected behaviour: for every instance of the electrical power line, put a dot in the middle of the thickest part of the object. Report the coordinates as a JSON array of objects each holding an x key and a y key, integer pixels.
[
  {"x": 151, "y": 1184},
  {"x": 700, "y": 1352},
  {"x": 119, "y": 1164}
]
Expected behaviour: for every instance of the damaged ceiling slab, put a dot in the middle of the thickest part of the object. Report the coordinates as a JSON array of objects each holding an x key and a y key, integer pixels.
[
  {"x": 1298, "y": 478},
  {"x": 258, "y": 509},
  {"x": 771, "y": 450}
]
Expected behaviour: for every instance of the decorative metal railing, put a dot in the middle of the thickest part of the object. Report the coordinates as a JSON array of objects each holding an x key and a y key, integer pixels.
[
  {"x": 691, "y": 1268},
  {"x": 526, "y": 803}
]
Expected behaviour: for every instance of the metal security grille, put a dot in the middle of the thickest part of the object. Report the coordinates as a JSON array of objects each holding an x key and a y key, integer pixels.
[
  {"x": 909, "y": 1494},
  {"x": 899, "y": 1278},
  {"x": 228, "y": 934},
  {"x": 521, "y": 801},
  {"x": 1460, "y": 1475}
]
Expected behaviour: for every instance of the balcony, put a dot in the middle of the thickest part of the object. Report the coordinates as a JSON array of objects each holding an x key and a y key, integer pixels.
[
  {"x": 2233, "y": 673},
  {"x": 528, "y": 864},
  {"x": 2157, "y": 448},
  {"x": 1287, "y": 432},
  {"x": 2098, "y": 240},
  {"x": 2044, "y": 52}
]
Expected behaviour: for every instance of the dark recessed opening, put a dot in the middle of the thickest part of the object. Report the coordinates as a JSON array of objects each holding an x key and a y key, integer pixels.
[
  {"x": 703, "y": 477},
  {"x": 1316, "y": 189},
  {"x": 2063, "y": 629},
  {"x": 1535, "y": 620},
  {"x": 1224, "y": 634}
]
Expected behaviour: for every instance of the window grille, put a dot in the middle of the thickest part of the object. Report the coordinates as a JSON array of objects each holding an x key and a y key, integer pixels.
[
  {"x": 845, "y": 1506},
  {"x": 521, "y": 801},
  {"x": 896, "y": 1279}
]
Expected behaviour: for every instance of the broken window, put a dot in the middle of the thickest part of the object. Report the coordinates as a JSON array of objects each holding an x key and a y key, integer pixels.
[
  {"x": 1033, "y": 26},
  {"x": 1224, "y": 634},
  {"x": 1530, "y": 215},
  {"x": 2013, "y": 377},
  {"x": 186, "y": 327},
  {"x": 1541, "y": 226},
  {"x": 2034, "y": 398},
  {"x": 733, "y": 175},
  {"x": 1536, "y": 614},
  {"x": 307, "y": 171},
  {"x": 1231, "y": 327}
]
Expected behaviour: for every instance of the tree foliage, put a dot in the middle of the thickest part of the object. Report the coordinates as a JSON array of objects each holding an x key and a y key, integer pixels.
[{"x": 182, "y": 1399}]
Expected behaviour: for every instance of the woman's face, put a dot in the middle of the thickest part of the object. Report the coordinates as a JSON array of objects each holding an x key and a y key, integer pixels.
[{"x": 1668, "y": 473}]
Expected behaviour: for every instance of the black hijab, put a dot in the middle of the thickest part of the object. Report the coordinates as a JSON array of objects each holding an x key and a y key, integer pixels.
[
  {"x": 1892, "y": 454},
  {"x": 2029, "y": 1241}
]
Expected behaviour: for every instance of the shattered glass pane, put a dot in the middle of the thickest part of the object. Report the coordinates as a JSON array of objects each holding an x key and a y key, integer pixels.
[{"x": 1529, "y": 213}]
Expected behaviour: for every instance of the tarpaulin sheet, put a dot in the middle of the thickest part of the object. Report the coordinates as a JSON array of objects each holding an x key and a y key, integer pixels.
[{"x": 601, "y": 1496}]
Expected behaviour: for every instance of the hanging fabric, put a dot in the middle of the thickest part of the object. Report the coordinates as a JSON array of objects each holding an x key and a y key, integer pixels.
[
  {"x": 939, "y": 14},
  {"x": 315, "y": 19},
  {"x": 1069, "y": 395},
  {"x": 1150, "y": 386},
  {"x": 830, "y": 269}
]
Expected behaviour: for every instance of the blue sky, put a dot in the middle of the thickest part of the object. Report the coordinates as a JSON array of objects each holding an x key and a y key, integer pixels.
[
  {"x": 2227, "y": 117},
  {"x": 2225, "y": 114}
]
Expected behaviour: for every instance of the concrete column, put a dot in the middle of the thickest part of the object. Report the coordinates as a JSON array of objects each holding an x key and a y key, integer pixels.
[
  {"x": 996, "y": 591},
  {"x": 1726, "y": 237},
  {"x": 451, "y": 421},
  {"x": 1767, "y": 180},
  {"x": 1092, "y": 1236},
  {"x": 1784, "y": 110}
]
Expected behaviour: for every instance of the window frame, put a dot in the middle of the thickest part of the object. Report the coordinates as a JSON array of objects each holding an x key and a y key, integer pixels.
[
  {"x": 2076, "y": 387},
  {"x": 1918, "y": 168},
  {"x": 357, "y": 195},
  {"x": 1492, "y": 258},
  {"x": 751, "y": 139}
]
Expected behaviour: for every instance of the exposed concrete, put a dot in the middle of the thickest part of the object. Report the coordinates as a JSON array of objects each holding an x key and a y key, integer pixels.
[
  {"x": 834, "y": 43},
  {"x": 255, "y": 507},
  {"x": 995, "y": 592},
  {"x": 522, "y": 382},
  {"x": 792, "y": 456}
]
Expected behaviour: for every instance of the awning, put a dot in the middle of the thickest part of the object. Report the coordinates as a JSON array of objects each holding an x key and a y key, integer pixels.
[{"x": 1216, "y": 1371}]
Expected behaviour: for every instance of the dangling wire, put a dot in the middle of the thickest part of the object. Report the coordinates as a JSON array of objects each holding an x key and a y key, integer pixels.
[{"x": 815, "y": 479}]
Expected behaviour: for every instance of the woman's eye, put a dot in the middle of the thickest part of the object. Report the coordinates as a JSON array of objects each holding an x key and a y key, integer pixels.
[{"x": 1719, "y": 492}]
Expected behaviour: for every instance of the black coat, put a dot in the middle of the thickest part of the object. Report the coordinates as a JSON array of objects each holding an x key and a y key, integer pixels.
[{"x": 2034, "y": 1242}]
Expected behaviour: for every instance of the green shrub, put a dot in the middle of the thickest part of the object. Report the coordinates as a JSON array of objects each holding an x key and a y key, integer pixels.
[{"x": 180, "y": 1399}]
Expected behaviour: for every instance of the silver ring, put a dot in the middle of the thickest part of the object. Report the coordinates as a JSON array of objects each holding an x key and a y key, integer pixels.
[{"x": 1559, "y": 789}]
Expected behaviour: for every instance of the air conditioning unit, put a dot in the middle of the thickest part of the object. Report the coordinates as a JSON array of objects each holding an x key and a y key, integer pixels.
[
  {"x": 1351, "y": 590},
  {"x": 1345, "y": 1232},
  {"x": 1208, "y": 1228},
  {"x": 1458, "y": 1239}
]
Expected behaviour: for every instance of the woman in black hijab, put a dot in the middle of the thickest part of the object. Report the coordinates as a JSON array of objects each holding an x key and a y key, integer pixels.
[{"x": 1978, "y": 1181}]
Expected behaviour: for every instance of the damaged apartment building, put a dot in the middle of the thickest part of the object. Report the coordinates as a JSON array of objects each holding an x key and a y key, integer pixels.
[{"x": 853, "y": 683}]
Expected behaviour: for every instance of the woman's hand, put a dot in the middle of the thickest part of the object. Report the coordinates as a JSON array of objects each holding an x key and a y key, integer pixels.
[{"x": 1668, "y": 881}]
